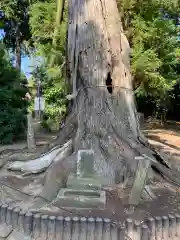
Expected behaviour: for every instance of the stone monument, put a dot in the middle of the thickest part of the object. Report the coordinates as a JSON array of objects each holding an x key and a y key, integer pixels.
[{"x": 84, "y": 187}]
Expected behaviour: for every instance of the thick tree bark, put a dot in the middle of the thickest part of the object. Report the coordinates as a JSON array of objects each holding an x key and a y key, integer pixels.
[{"x": 98, "y": 51}]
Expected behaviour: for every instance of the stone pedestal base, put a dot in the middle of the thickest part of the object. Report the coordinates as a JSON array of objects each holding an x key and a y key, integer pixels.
[{"x": 81, "y": 198}]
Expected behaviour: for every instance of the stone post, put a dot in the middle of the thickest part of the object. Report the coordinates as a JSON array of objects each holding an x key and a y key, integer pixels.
[{"x": 30, "y": 133}]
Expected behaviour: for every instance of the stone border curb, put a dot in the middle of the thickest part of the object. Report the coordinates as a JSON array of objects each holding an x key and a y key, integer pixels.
[{"x": 81, "y": 228}]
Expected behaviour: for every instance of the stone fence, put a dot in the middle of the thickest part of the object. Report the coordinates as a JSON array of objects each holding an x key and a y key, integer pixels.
[{"x": 37, "y": 226}]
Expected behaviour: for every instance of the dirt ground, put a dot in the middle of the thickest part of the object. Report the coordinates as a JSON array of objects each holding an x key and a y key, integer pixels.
[
  {"x": 166, "y": 138},
  {"x": 22, "y": 191}
]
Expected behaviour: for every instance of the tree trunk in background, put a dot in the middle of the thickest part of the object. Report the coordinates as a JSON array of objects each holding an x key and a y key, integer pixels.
[
  {"x": 59, "y": 18},
  {"x": 18, "y": 49}
]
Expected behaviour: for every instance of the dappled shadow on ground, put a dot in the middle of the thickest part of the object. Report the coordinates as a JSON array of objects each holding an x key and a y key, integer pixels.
[
  {"x": 162, "y": 138},
  {"x": 166, "y": 140}
]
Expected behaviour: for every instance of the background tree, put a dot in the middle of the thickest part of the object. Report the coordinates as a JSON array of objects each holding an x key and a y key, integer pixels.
[
  {"x": 14, "y": 18},
  {"x": 12, "y": 103},
  {"x": 152, "y": 30},
  {"x": 49, "y": 40},
  {"x": 50, "y": 46},
  {"x": 53, "y": 90}
]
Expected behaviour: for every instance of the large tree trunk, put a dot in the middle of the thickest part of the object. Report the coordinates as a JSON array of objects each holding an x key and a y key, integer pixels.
[
  {"x": 107, "y": 122},
  {"x": 98, "y": 52}
]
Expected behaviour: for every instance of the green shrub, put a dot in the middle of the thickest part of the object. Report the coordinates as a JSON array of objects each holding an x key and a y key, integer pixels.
[{"x": 12, "y": 105}]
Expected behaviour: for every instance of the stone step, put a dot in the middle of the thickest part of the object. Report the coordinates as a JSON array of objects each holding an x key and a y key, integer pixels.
[{"x": 71, "y": 198}]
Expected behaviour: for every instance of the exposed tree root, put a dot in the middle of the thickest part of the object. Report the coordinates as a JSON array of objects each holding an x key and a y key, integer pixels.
[
  {"x": 161, "y": 165},
  {"x": 43, "y": 162}
]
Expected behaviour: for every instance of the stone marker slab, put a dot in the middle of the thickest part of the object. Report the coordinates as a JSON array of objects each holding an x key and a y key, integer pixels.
[
  {"x": 141, "y": 119},
  {"x": 71, "y": 198},
  {"x": 143, "y": 165},
  {"x": 5, "y": 230},
  {"x": 15, "y": 235},
  {"x": 85, "y": 163}
]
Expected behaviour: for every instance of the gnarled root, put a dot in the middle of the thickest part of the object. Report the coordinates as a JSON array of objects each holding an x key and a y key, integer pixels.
[{"x": 44, "y": 161}]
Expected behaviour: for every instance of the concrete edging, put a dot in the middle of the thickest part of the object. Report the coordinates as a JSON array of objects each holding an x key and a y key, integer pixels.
[{"x": 81, "y": 228}]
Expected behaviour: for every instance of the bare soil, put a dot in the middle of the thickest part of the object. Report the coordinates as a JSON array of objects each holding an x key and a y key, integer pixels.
[{"x": 21, "y": 190}]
